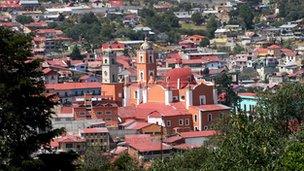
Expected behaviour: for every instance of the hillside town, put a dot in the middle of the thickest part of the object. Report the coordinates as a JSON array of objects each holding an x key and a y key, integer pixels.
[{"x": 151, "y": 79}]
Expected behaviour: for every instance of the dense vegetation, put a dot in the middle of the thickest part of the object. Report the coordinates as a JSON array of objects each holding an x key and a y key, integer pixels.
[
  {"x": 92, "y": 31},
  {"x": 25, "y": 111}
]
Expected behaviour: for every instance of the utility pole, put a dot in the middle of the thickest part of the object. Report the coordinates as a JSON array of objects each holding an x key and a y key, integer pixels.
[{"x": 161, "y": 138}]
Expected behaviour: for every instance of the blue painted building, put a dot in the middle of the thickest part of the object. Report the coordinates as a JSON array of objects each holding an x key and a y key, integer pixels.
[{"x": 248, "y": 102}]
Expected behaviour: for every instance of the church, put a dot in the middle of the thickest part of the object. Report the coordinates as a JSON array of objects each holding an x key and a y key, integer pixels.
[{"x": 177, "y": 100}]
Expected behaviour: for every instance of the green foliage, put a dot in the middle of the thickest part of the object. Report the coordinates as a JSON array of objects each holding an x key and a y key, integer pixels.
[
  {"x": 24, "y": 109},
  {"x": 76, "y": 54},
  {"x": 286, "y": 104},
  {"x": 246, "y": 16},
  {"x": 223, "y": 85},
  {"x": 211, "y": 26},
  {"x": 161, "y": 22},
  {"x": 94, "y": 160},
  {"x": 125, "y": 162},
  {"x": 197, "y": 18},
  {"x": 238, "y": 49},
  {"x": 293, "y": 158},
  {"x": 191, "y": 160},
  {"x": 23, "y": 19},
  {"x": 88, "y": 18},
  {"x": 247, "y": 144},
  {"x": 205, "y": 42},
  {"x": 291, "y": 10}
]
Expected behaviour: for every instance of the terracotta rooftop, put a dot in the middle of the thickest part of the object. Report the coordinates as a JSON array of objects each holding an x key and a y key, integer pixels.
[
  {"x": 193, "y": 134},
  {"x": 71, "y": 86},
  {"x": 212, "y": 107},
  {"x": 150, "y": 146},
  {"x": 94, "y": 130}
]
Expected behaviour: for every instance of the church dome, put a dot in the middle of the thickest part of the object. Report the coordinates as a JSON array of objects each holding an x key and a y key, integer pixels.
[{"x": 179, "y": 78}]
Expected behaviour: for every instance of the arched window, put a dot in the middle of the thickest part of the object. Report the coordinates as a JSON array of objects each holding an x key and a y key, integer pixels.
[
  {"x": 105, "y": 73},
  {"x": 105, "y": 61},
  {"x": 151, "y": 59},
  {"x": 141, "y": 59},
  {"x": 141, "y": 75}
]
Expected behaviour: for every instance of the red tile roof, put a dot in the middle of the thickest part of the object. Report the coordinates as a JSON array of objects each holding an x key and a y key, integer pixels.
[
  {"x": 194, "y": 134},
  {"x": 186, "y": 146},
  {"x": 184, "y": 75},
  {"x": 94, "y": 130},
  {"x": 212, "y": 107},
  {"x": 71, "y": 86},
  {"x": 288, "y": 52},
  {"x": 274, "y": 47},
  {"x": 173, "y": 139},
  {"x": 116, "y": 3},
  {"x": 150, "y": 146},
  {"x": 66, "y": 139},
  {"x": 138, "y": 125},
  {"x": 138, "y": 138},
  {"x": 112, "y": 45}
]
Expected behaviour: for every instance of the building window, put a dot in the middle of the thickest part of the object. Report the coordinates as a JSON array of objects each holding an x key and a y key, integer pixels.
[
  {"x": 69, "y": 145},
  {"x": 141, "y": 75},
  {"x": 245, "y": 107},
  {"x": 168, "y": 123},
  {"x": 187, "y": 122},
  {"x": 181, "y": 122},
  {"x": 112, "y": 61},
  {"x": 202, "y": 99},
  {"x": 196, "y": 128},
  {"x": 105, "y": 73},
  {"x": 205, "y": 127},
  {"x": 82, "y": 113},
  {"x": 135, "y": 94},
  {"x": 106, "y": 61},
  {"x": 108, "y": 112},
  {"x": 195, "y": 118},
  {"x": 113, "y": 78},
  {"x": 99, "y": 113},
  {"x": 141, "y": 59},
  {"x": 209, "y": 117},
  {"x": 151, "y": 59}
]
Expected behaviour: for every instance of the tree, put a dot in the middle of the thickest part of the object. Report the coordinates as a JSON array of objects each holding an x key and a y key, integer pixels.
[
  {"x": 94, "y": 160},
  {"x": 238, "y": 49},
  {"x": 197, "y": 18},
  {"x": 76, "y": 54},
  {"x": 205, "y": 42},
  {"x": 211, "y": 26},
  {"x": 25, "y": 111},
  {"x": 246, "y": 143},
  {"x": 126, "y": 163},
  {"x": 223, "y": 83},
  {"x": 89, "y": 18},
  {"x": 285, "y": 106},
  {"x": 246, "y": 16},
  {"x": 196, "y": 159},
  {"x": 23, "y": 19}
]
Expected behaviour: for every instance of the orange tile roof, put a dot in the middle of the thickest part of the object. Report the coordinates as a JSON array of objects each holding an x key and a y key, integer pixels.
[
  {"x": 94, "y": 130},
  {"x": 138, "y": 138},
  {"x": 212, "y": 107},
  {"x": 186, "y": 146},
  {"x": 274, "y": 46},
  {"x": 138, "y": 125},
  {"x": 71, "y": 86},
  {"x": 150, "y": 146},
  {"x": 193, "y": 134}
]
